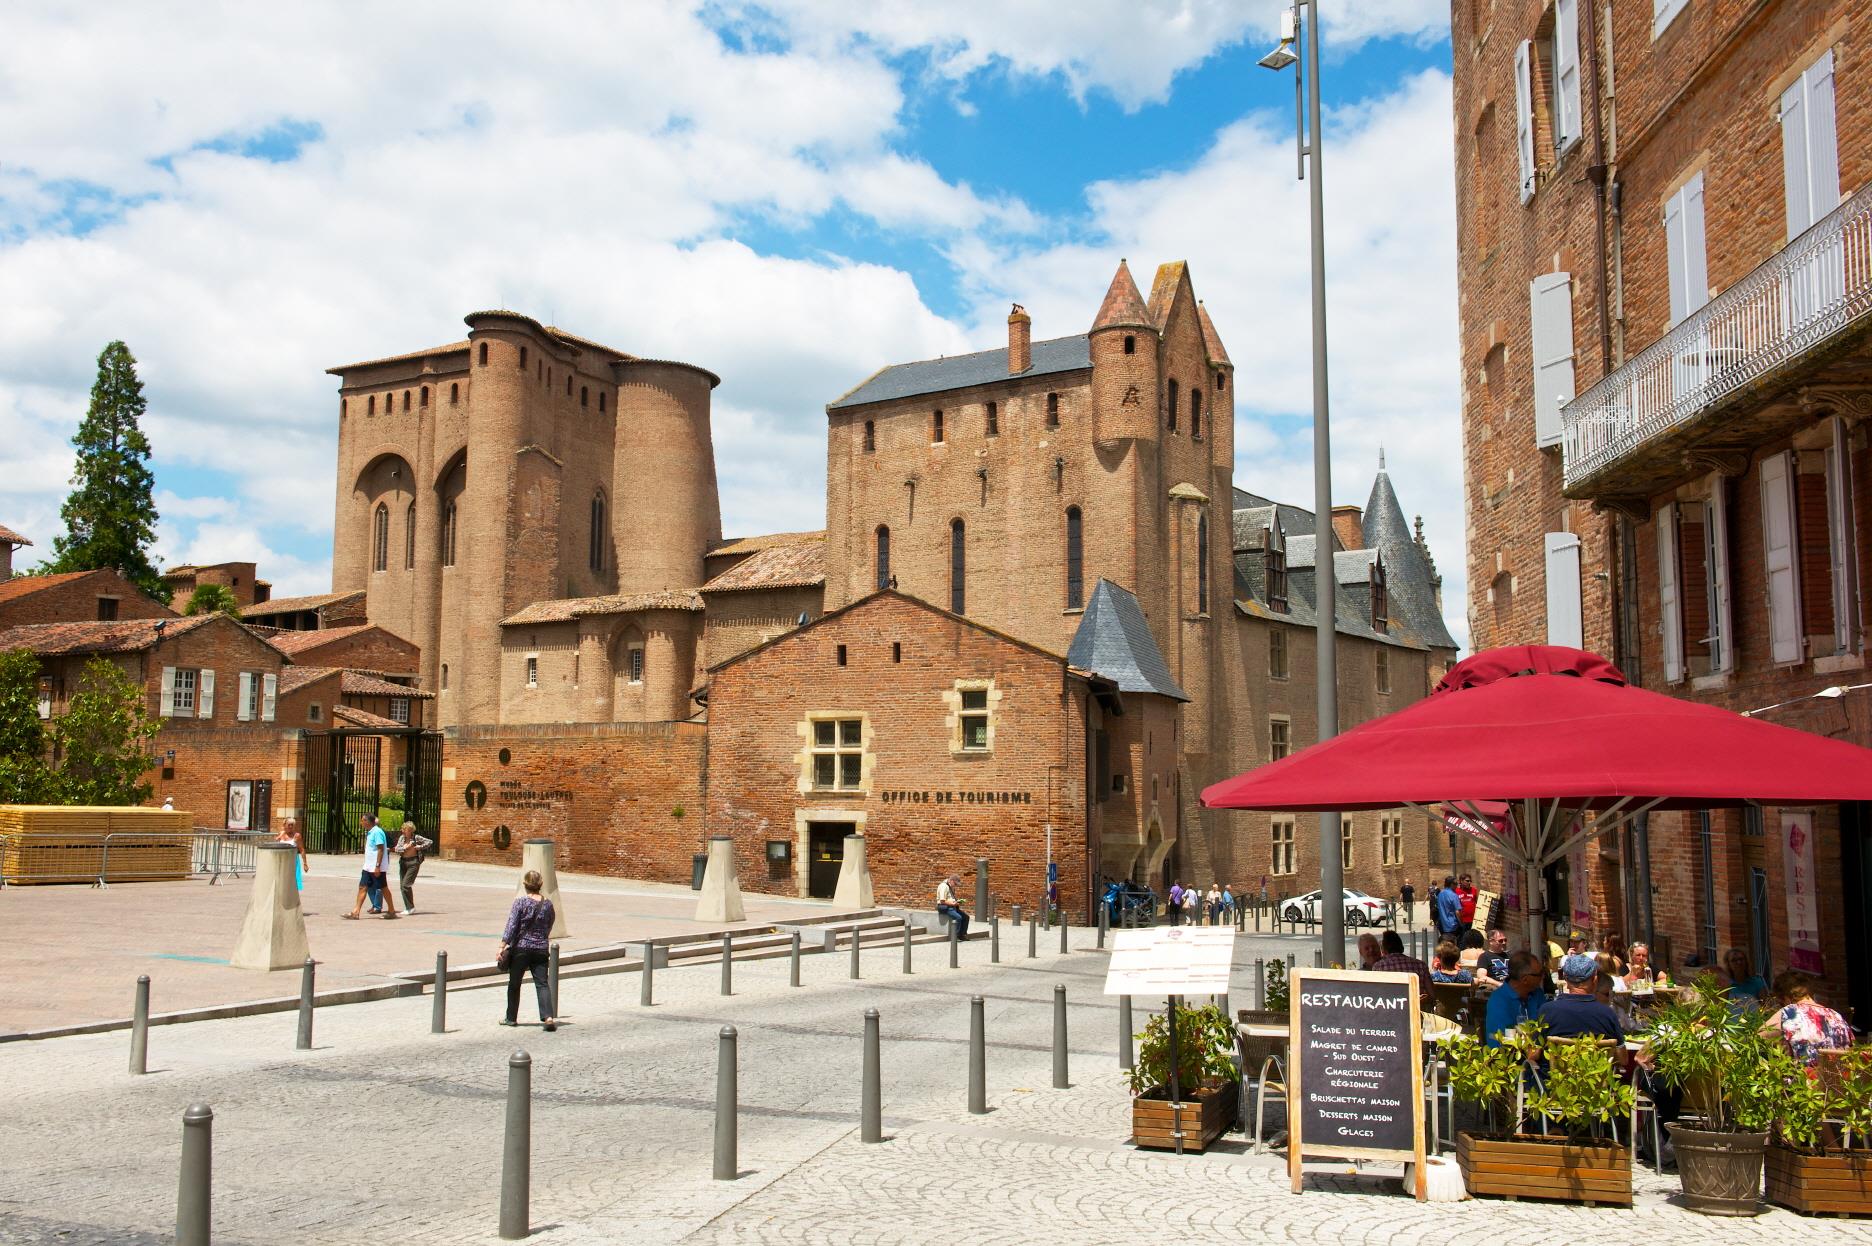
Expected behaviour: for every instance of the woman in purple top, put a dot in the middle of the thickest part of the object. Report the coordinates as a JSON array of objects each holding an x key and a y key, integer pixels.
[{"x": 523, "y": 944}]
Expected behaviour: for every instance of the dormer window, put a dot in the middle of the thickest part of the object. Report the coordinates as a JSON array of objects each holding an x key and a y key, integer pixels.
[
  {"x": 1275, "y": 572},
  {"x": 1380, "y": 607}
]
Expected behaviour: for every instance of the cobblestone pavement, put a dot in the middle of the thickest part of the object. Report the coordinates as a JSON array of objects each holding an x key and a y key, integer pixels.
[
  {"x": 385, "y": 1132},
  {"x": 70, "y": 955}
]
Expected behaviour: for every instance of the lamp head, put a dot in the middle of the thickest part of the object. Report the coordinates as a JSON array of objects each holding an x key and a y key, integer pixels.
[{"x": 1281, "y": 57}]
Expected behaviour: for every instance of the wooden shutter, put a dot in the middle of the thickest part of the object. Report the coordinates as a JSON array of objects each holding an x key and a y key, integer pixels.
[
  {"x": 1841, "y": 546},
  {"x": 204, "y": 694},
  {"x": 1693, "y": 584},
  {"x": 269, "y": 692},
  {"x": 1795, "y": 174},
  {"x": 1810, "y": 146},
  {"x": 1524, "y": 115},
  {"x": 1565, "y": 621},
  {"x": 1566, "y": 74},
  {"x": 1716, "y": 539},
  {"x": 244, "y": 697},
  {"x": 165, "y": 703},
  {"x": 1670, "y": 612},
  {"x": 1778, "y": 527},
  {"x": 1550, "y": 317},
  {"x": 1812, "y": 528},
  {"x": 1686, "y": 257}
]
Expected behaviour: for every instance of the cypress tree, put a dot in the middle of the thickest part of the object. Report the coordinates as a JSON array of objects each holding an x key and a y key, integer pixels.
[{"x": 110, "y": 514}]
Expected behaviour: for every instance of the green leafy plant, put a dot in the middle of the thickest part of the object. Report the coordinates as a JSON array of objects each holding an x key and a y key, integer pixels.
[
  {"x": 24, "y": 778},
  {"x": 212, "y": 598},
  {"x": 110, "y": 514},
  {"x": 1800, "y": 1121},
  {"x": 1582, "y": 1089},
  {"x": 101, "y": 741},
  {"x": 1719, "y": 1059},
  {"x": 1205, "y": 1051},
  {"x": 1276, "y": 995},
  {"x": 1848, "y": 1090},
  {"x": 1487, "y": 1076}
]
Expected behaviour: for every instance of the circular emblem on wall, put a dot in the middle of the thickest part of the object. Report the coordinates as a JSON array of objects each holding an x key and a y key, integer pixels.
[
  {"x": 475, "y": 794},
  {"x": 503, "y": 837},
  {"x": 506, "y": 755}
]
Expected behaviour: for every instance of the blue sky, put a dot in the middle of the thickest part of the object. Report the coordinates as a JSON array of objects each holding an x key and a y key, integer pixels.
[{"x": 790, "y": 195}]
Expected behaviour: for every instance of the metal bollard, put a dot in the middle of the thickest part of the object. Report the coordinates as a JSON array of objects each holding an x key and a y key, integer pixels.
[
  {"x": 1033, "y": 940},
  {"x": 304, "y": 1042},
  {"x": 727, "y": 1126},
  {"x": 552, "y": 976},
  {"x": 1125, "y": 1059},
  {"x": 793, "y": 960},
  {"x": 727, "y": 964},
  {"x": 854, "y": 954},
  {"x": 1103, "y": 917},
  {"x": 978, "y": 1056},
  {"x": 1063, "y": 948},
  {"x": 981, "y": 889},
  {"x": 517, "y": 1147},
  {"x": 139, "y": 1027},
  {"x": 1060, "y": 1080},
  {"x": 1319, "y": 960},
  {"x": 438, "y": 1005},
  {"x": 1017, "y": 913},
  {"x": 1290, "y": 964},
  {"x": 994, "y": 939},
  {"x": 195, "y": 1191},
  {"x": 871, "y": 1096},
  {"x": 646, "y": 987},
  {"x": 955, "y": 943},
  {"x": 1260, "y": 995}
]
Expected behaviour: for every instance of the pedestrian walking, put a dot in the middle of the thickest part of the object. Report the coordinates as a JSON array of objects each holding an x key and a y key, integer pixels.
[
  {"x": 291, "y": 834},
  {"x": 1192, "y": 899},
  {"x": 1466, "y": 905},
  {"x": 409, "y": 851},
  {"x": 1228, "y": 904},
  {"x": 1407, "y": 896},
  {"x": 948, "y": 906},
  {"x": 523, "y": 948},
  {"x": 1174, "y": 911},
  {"x": 1447, "y": 906},
  {"x": 372, "y": 882}
]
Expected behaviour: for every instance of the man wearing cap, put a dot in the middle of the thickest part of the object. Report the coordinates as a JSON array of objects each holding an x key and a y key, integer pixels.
[
  {"x": 1519, "y": 997},
  {"x": 1576, "y": 1012}
]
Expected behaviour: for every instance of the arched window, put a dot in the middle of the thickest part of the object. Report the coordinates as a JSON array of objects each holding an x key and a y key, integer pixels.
[
  {"x": 870, "y": 436},
  {"x": 1052, "y": 410},
  {"x": 423, "y": 398},
  {"x": 1075, "y": 559},
  {"x": 601, "y": 402},
  {"x": 448, "y": 535},
  {"x": 1171, "y": 406},
  {"x": 454, "y": 393},
  {"x": 1196, "y": 413},
  {"x": 380, "y": 538},
  {"x": 1130, "y": 344},
  {"x": 958, "y": 568},
  {"x": 445, "y": 677},
  {"x": 344, "y": 407},
  {"x": 484, "y": 354},
  {"x": 600, "y": 532},
  {"x": 883, "y": 557},
  {"x": 936, "y": 426},
  {"x": 994, "y": 419},
  {"x": 523, "y": 356},
  {"x": 584, "y": 395},
  {"x": 1202, "y": 563},
  {"x": 370, "y": 405},
  {"x": 409, "y": 537},
  {"x": 568, "y": 385}
]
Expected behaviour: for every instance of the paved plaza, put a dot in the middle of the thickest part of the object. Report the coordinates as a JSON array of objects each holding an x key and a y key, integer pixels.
[{"x": 385, "y": 1132}]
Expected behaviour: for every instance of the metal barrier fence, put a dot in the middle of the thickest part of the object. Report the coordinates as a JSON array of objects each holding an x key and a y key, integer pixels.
[{"x": 128, "y": 856}]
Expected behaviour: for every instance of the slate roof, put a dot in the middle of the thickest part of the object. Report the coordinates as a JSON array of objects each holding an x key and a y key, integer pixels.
[
  {"x": 1115, "y": 641},
  {"x": 778, "y": 566},
  {"x": 293, "y": 605},
  {"x": 934, "y": 376},
  {"x": 11, "y": 537},
  {"x": 565, "y": 609},
  {"x": 117, "y": 636},
  {"x": 1410, "y": 579}
]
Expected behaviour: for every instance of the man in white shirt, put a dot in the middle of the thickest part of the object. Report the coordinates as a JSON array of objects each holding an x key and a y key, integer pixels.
[
  {"x": 947, "y": 906},
  {"x": 374, "y": 881}
]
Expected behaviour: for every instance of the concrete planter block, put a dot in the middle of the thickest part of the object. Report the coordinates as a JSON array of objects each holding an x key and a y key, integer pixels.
[
  {"x": 721, "y": 885},
  {"x": 854, "y": 882},
  {"x": 272, "y": 935},
  {"x": 538, "y": 854}
]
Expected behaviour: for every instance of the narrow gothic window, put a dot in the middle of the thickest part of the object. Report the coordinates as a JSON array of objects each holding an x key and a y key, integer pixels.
[
  {"x": 1202, "y": 564},
  {"x": 409, "y": 537},
  {"x": 584, "y": 395},
  {"x": 568, "y": 385},
  {"x": 958, "y": 568},
  {"x": 883, "y": 557},
  {"x": 380, "y": 543},
  {"x": 601, "y": 402},
  {"x": 1130, "y": 344},
  {"x": 370, "y": 405},
  {"x": 596, "y": 558},
  {"x": 994, "y": 419},
  {"x": 448, "y": 535},
  {"x": 936, "y": 426},
  {"x": 1171, "y": 406},
  {"x": 1075, "y": 559},
  {"x": 406, "y": 400},
  {"x": 454, "y": 393},
  {"x": 1196, "y": 413},
  {"x": 423, "y": 400},
  {"x": 523, "y": 356},
  {"x": 1052, "y": 410},
  {"x": 870, "y": 436},
  {"x": 484, "y": 354}
]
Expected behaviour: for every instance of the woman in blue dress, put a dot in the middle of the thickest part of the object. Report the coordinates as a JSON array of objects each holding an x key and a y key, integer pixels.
[{"x": 291, "y": 834}]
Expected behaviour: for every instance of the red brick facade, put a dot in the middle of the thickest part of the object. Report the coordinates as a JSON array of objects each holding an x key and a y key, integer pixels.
[{"x": 75, "y": 596}]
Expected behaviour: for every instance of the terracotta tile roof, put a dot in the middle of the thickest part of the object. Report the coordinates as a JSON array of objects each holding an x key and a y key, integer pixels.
[
  {"x": 23, "y": 585},
  {"x": 781, "y": 566},
  {"x": 565, "y": 609},
  {"x": 1123, "y": 304},
  {"x": 359, "y": 684},
  {"x": 290, "y": 643},
  {"x": 292, "y": 605},
  {"x": 360, "y": 718},
  {"x": 119, "y": 636},
  {"x": 11, "y": 537},
  {"x": 403, "y": 358},
  {"x": 1212, "y": 341},
  {"x": 293, "y": 678},
  {"x": 754, "y": 544}
]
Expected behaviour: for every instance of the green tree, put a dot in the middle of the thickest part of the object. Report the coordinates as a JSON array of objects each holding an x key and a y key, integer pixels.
[
  {"x": 23, "y": 776},
  {"x": 110, "y": 514},
  {"x": 102, "y": 740},
  {"x": 208, "y": 598}
]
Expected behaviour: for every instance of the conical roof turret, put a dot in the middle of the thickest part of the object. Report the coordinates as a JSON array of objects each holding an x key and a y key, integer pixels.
[
  {"x": 1212, "y": 341},
  {"x": 1124, "y": 305}
]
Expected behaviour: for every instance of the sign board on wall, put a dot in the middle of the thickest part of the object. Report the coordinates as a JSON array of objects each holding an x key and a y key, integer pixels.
[
  {"x": 1803, "y": 905},
  {"x": 1171, "y": 960},
  {"x": 1355, "y": 1078}
]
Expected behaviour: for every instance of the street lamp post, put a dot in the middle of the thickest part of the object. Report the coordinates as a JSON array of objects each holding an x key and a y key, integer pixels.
[{"x": 1326, "y": 585}]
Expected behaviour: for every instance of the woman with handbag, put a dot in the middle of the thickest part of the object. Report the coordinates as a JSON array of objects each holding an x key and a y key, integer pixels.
[
  {"x": 409, "y": 849},
  {"x": 523, "y": 947}
]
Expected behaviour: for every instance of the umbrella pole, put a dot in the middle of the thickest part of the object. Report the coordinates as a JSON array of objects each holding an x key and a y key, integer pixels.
[{"x": 1532, "y": 901}]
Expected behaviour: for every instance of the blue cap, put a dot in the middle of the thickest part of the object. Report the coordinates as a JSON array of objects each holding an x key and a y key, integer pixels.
[{"x": 1578, "y": 967}]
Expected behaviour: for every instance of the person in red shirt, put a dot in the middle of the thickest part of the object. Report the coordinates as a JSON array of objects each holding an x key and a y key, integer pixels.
[{"x": 1466, "y": 900}]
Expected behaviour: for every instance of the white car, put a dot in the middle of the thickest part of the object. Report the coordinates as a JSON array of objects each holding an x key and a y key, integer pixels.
[{"x": 1360, "y": 909}]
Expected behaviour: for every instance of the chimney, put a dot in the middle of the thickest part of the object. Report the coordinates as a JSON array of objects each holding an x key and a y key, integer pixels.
[
  {"x": 1020, "y": 341},
  {"x": 1348, "y": 523}
]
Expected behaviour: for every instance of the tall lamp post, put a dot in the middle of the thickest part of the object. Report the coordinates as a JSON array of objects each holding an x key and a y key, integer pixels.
[{"x": 1325, "y": 580}]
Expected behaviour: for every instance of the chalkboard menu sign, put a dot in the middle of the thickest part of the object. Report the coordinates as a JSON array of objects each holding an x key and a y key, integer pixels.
[{"x": 1356, "y": 1068}]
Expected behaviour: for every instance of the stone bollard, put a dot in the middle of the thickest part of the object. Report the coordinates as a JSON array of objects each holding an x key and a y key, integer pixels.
[
  {"x": 854, "y": 953},
  {"x": 793, "y": 952},
  {"x": 540, "y": 854},
  {"x": 871, "y": 1105},
  {"x": 1017, "y": 915},
  {"x": 981, "y": 889},
  {"x": 304, "y": 1041},
  {"x": 1125, "y": 1059},
  {"x": 1060, "y": 1080},
  {"x": 1033, "y": 940},
  {"x": 272, "y": 934},
  {"x": 1260, "y": 995},
  {"x": 853, "y": 890},
  {"x": 1319, "y": 960},
  {"x": 994, "y": 939},
  {"x": 978, "y": 1058},
  {"x": 1063, "y": 947},
  {"x": 1223, "y": 999},
  {"x": 1290, "y": 964},
  {"x": 646, "y": 987},
  {"x": 139, "y": 1027},
  {"x": 438, "y": 1004},
  {"x": 906, "y": 944},
  {"x": 955, "y": 944},
  {"x": 721, "y": 885},
  {"x": 552, "y": 976},
  {"x": 727, "y": 1126},
  {"x": 727, "y": 963},
  {"x": 516, "y": 1148},
  {"x": 195, "y": 1191}
]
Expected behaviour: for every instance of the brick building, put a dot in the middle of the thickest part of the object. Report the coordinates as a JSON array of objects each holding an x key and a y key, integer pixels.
[
  {"x": 305, "y": 614},
  {"x": 240, "y": 578},
  {"x": 71, "y": 596},
  {"x": 1666, "y": 351},
  {"x": 10, "y": 543}
]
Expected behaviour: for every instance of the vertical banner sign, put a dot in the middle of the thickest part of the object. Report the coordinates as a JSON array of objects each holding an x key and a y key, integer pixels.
[
  {"x": 1578, "y": 884},
  {"x": 1803, "y": 909},
  {"x": 1356, "y": 1079}
]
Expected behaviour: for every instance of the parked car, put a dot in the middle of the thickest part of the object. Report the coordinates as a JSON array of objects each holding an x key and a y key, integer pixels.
[{"x": 1360, "y": 909}]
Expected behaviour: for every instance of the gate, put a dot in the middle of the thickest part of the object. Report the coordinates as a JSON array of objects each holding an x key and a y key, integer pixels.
[
  {"x": 422, "y": 794},
  {"x": 342, "y": 773}
]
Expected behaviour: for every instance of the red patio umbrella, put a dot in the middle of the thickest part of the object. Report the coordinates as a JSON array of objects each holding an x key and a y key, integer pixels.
[{"x": 1560, "y": 736}]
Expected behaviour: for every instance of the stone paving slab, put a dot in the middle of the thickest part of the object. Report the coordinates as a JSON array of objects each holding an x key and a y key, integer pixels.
[{"x": 385, "y": 1132}]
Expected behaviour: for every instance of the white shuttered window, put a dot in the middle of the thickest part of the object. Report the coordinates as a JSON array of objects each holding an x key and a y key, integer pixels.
[
  {"x": 1810, "y": 146},
  {"x": 1688, "y": 260},
  {"x": 1566, "y": 75},
  {"x": 1550, "y": 315},
  {"x": 244, "y": 698},
  {"x": 1670, "y": 609},
  {"x": 1524, "y": 115},
  {"x": 269, "y": 693},
  {"x": 165, "y": 702},
  {"x": 205, "y": 708},
  {"x": 1565, "y": 622},
  {"x": 1778, "y": 561},
  {"x": 1843, "y": 548},
  {"x": 1716, "y": 567}
]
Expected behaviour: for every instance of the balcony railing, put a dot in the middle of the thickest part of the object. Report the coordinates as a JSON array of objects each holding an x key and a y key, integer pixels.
[{"x": 1809, "y": 291}]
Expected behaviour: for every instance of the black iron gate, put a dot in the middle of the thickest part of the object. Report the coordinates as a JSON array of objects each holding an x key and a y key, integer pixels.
[
  {"x": 422, "y": 780},
  {"x": 342, "y": 775}
]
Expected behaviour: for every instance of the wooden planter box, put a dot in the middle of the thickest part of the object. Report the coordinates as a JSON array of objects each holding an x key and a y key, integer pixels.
[
  {"x": 1533, "y": 1167},
  {"x": 1838, "y": 1182},
  {"x": 1206, "y": 1114}
]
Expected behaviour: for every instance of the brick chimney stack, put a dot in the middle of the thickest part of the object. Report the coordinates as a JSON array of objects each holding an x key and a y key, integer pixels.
[
  {"x": 1349, "y": 526},
  {"x": 1020, "y": 341}
]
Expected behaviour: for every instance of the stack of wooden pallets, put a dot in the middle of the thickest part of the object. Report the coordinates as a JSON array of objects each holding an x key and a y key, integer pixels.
[{"x": 65, "y": 844}]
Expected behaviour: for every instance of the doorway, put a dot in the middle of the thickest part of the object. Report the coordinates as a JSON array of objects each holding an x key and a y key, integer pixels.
[{"x": 825, "y": 856}]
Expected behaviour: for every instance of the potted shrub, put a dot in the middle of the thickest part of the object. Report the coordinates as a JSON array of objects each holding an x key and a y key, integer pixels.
[
  {"x": 1582, "y": 1095},
  {"x": 1205, "y": 1076},
  {"x": 1819, "y": 1157},
  {"x": 1732, "y": 1078}
]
